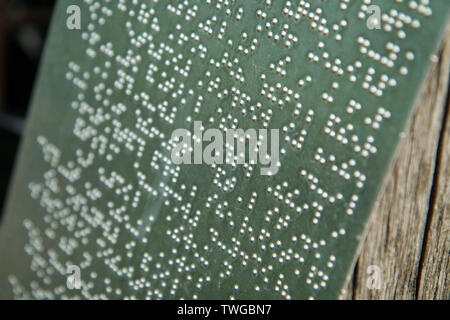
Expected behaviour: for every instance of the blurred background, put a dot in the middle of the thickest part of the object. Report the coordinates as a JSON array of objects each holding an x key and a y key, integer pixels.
[{"x": 23, "y": 27}]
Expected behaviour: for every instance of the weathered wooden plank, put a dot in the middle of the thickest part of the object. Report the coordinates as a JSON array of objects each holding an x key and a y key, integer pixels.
[
  {"x": 434, "y": 276},
  {"x": 397, "y": 224}
]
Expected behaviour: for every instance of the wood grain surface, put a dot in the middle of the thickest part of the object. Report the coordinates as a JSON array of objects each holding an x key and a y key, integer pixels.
[{"x": 408, "y": 237}]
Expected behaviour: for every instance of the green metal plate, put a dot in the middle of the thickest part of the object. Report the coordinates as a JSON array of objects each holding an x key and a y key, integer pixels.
[{"x": 95, "y": 186}]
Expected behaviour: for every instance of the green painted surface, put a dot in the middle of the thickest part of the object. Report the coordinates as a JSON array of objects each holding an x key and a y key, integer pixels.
[{"x": 94, "y": 184}]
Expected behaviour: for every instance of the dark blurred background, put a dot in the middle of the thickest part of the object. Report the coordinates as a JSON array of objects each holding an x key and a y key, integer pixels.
[{"x": 23, "y": 27}]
